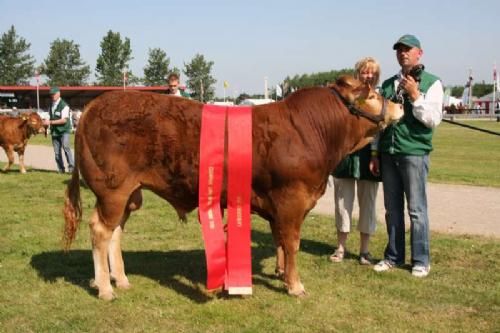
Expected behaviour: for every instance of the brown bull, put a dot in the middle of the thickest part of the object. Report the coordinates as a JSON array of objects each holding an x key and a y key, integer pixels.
[
  {"x": 129, "y": 141},
  {"x": 15, "y": 133}
]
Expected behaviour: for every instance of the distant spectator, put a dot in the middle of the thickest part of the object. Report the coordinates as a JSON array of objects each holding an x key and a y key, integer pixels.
[
  {"x": 174, "y": 87},
  {"x": 60, "y": 129},
  {"x": 75, "y": 118}
]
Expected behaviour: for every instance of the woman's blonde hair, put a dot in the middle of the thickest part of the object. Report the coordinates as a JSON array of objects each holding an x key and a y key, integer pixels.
[{"x": 365, "y": 63}]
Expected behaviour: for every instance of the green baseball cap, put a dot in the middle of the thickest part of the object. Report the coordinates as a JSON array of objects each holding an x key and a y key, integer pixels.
[
  {"x": 408, "y": 40},
  {"x": 54, "y": 90}
]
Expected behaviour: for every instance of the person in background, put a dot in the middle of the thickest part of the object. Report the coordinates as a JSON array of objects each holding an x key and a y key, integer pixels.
[
  {"x": 355, "y": 171},
  {"x": 60, "y": 129},
  {"x": 174, "y": 87},
  {"x": 404, "y": 156}
]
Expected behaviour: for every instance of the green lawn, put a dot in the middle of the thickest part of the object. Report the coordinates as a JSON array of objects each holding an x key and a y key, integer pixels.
[
  {"x": 464, "y": 156},
  {"x": 47, "y": 141},
  {"x": 45, "y": 290}
]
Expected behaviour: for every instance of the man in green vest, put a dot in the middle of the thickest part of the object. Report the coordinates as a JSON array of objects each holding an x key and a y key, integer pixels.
[
  {"x": 60, "y": 129},
  {"x": 404, "y": 156}
]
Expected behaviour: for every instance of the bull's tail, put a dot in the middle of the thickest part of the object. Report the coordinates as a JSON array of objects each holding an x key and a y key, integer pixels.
[{"x": 72, "y": 208}]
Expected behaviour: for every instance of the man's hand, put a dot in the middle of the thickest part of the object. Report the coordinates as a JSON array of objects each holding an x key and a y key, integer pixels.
[
  {"x": 409, "y": 84},
  {"x": 374, "y": 166},
  {"x": 46, "y": 122}
]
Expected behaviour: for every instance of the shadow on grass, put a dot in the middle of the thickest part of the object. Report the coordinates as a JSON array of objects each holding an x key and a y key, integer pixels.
[{"x": 169, "y": 268}]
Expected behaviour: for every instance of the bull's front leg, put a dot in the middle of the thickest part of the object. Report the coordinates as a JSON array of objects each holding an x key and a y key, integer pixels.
[
  {"x": 291, "y": 244},
  {"x": 280, "y": 255},
  {"x": 22, "y": 168}
]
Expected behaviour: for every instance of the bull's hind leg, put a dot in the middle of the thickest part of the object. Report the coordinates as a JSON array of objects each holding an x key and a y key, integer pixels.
[
  {"x": 101, "y": 236},
  {"x": 10, "y": 158},
  {"x": 105, "y": 219},
  {"x": 116, "y": 264}
]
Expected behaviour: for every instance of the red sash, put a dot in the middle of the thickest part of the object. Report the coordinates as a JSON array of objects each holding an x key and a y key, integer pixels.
[
  {"x": 234, "y": 267},
  {"x": 239, "y": 257},
  {"x": 210, "y": 186}
]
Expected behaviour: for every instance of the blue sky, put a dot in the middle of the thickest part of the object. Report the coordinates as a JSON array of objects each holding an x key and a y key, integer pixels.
[{"x": 250, "y": 40}]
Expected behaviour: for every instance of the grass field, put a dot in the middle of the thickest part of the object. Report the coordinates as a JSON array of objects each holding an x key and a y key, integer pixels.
[
  {"x": 46, "y": 290},
  {"x": 464, "y": 156}
]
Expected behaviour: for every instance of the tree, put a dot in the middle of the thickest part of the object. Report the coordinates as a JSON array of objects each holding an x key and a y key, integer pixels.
[
  {"x": 16, "y": 65},
  {"x": 482, "y": 89},
  {"x": 113, "y": 60},
  {"x": 64, "y": 66},
  {"x": 241, "y": 97},
  {"x": 457, "y": 91},
  {"x": 199, "y": 80},
  {"x": 478, "y": 90},
  {"x": 157, "y": 68},
  {"x": 316, "y": 79}
]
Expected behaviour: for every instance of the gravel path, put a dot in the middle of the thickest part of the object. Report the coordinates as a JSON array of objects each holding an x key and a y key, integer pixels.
[{"x": 456, "y": 209}]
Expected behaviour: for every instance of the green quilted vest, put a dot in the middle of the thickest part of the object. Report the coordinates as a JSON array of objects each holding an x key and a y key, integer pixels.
[
  {"x": 409, "y": 136},
  {"x": 59, "y": 130}
]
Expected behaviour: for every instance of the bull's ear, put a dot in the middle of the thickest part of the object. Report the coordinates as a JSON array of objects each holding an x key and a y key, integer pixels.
[{"x": 345, "y": 81}]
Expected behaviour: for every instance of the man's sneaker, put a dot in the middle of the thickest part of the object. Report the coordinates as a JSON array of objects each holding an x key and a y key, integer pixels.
[
  {"x": 420, "y": 271},
  {"x": 365, "y": 258},
  {"x": 383, "y": 266}
]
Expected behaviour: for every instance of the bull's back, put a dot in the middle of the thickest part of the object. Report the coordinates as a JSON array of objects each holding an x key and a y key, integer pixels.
[{"x": 137, "y": 134}]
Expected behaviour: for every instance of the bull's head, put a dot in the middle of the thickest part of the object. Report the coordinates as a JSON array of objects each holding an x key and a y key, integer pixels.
[
  {"x": 35, "y": 123},
  {"x": 363, "y": 100}
]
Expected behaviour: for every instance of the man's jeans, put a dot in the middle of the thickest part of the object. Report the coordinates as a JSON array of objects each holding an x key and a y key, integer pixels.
[
  {"x": 59, "y": 142},
  {"x": 406, "y": 175}
]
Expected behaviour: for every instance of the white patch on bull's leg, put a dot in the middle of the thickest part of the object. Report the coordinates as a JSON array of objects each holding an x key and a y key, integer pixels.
[
  {"x": 21, "y": 163},
  {"x": 116, "y": 264},
  {"x": 101, "y": 237}
]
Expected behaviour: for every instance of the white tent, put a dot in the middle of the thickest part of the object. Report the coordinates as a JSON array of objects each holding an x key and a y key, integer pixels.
[{"x": 255, "y": 101}]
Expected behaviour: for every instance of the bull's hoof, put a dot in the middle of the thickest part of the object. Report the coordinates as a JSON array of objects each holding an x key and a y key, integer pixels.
[
  {"x": 107, "y": 296},
  {"x": 297, "y": 291},
  {"x": 23, "y": 171},
  {"x": 93, "y": 285},
  {"x": 280, "y": 273},
  {"x": 123, "y": 285},
  {"x": 122, "y": 282}
]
